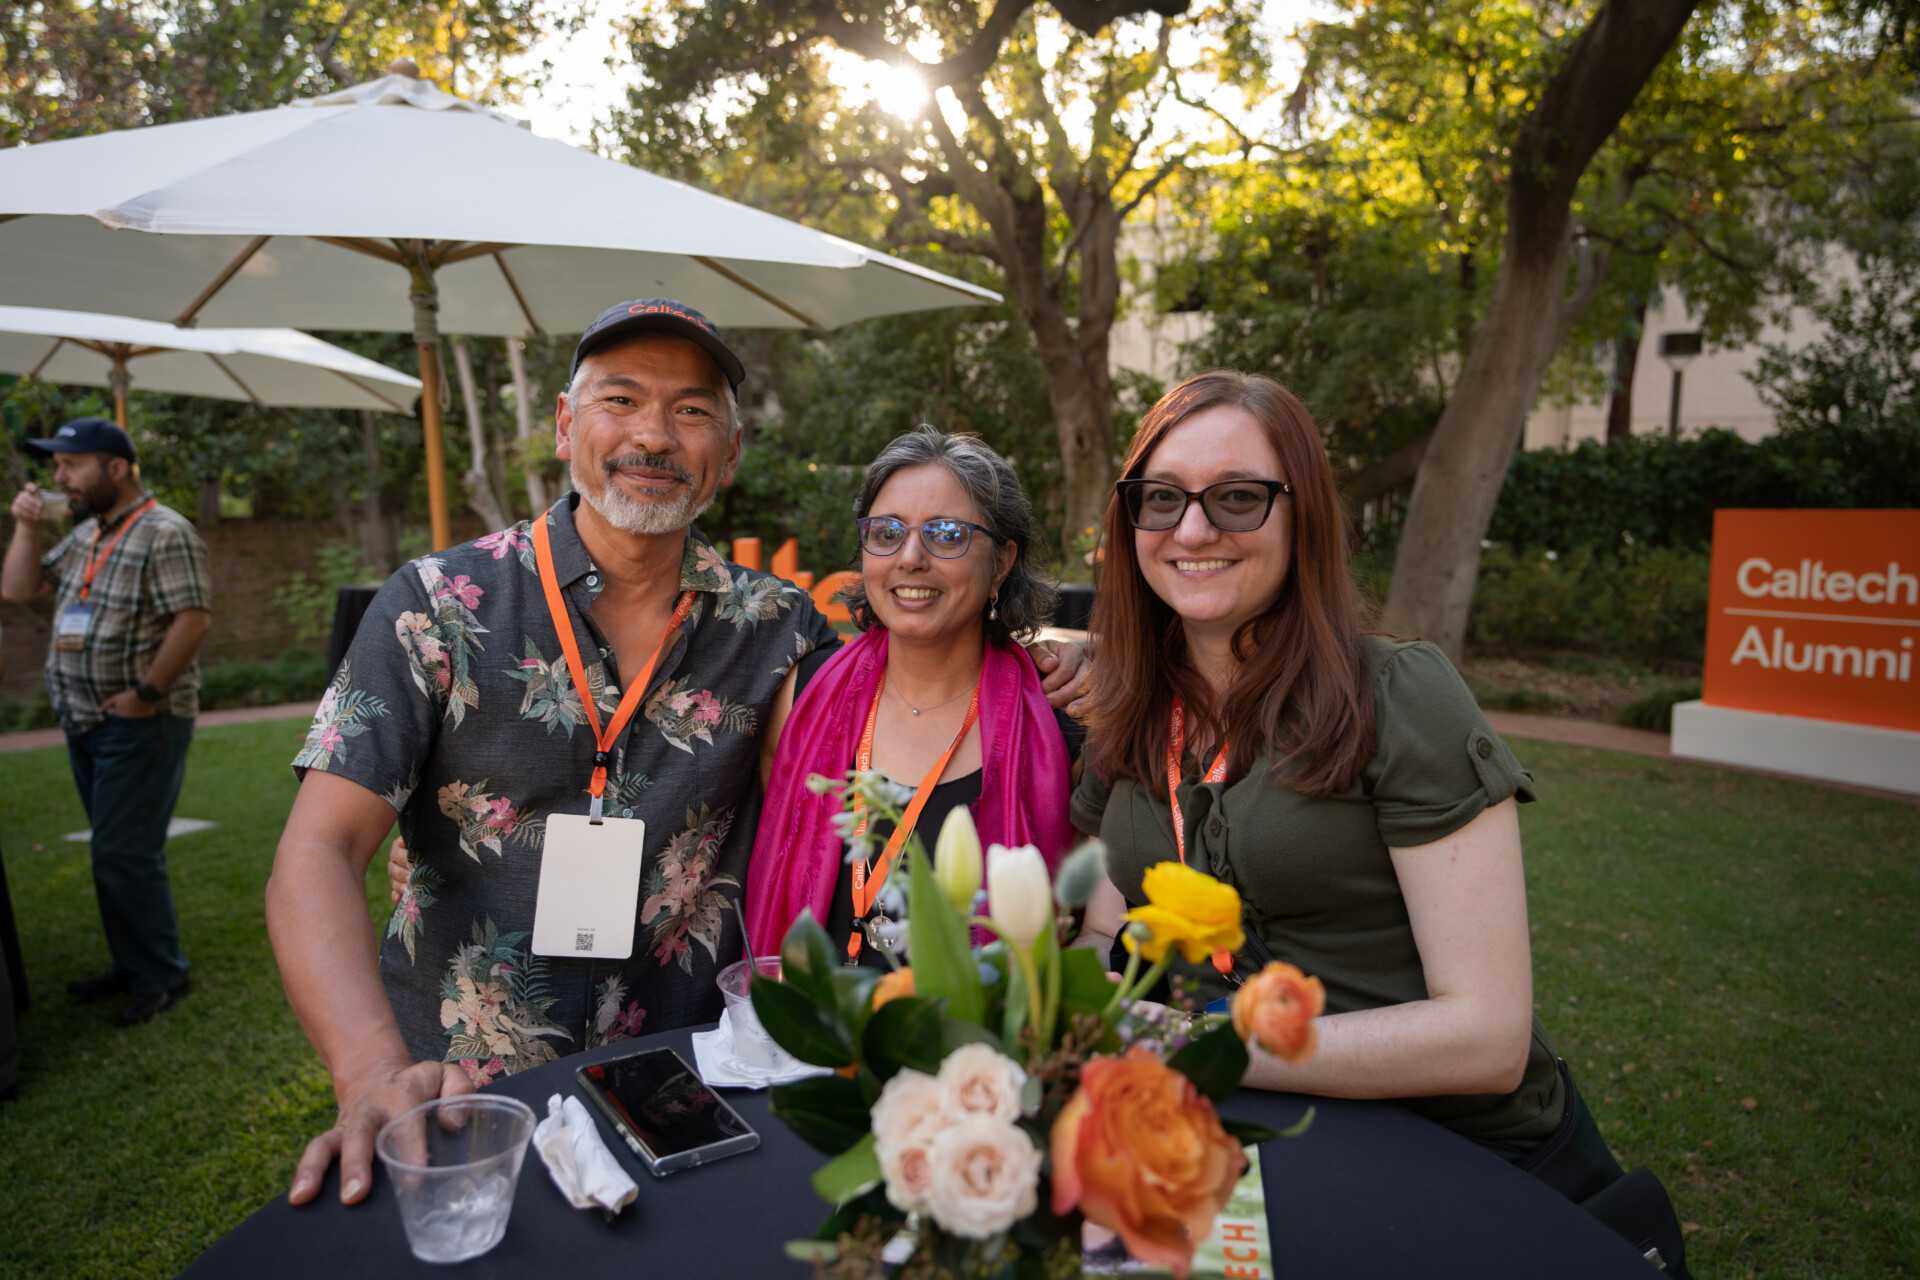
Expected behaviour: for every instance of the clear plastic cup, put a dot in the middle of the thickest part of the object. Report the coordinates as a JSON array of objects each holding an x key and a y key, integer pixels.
[
  {"x": 455, "y": 1163},
  {"x": 751, "y": 1043}
]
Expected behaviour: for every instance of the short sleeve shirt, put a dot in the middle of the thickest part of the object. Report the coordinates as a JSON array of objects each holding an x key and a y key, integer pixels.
[
  {"x": 1315, "y": 874},
  {"x": 455, "y": 705},
  {"x": 157, "y": 568}
]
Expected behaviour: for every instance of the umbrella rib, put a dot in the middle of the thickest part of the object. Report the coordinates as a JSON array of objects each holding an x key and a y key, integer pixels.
[
  {"x": 447, "y": 257},
  {"x": 372, "y": 391},
  {"x": 185, "y": 318},
  {"x": 532, "y": 324},
  {"x": 236, "y": 379},
  {"x": 52, "y": 351},
  {"x": 753, "y": 289},
  {"x": 372, "y": 248}
]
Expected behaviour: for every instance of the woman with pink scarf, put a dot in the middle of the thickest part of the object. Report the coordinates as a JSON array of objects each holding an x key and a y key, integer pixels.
[{"x": 946, "y": 584}]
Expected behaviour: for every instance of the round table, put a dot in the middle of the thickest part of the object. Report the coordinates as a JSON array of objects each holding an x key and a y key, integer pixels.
[{"x": 1371, "y": 1190}]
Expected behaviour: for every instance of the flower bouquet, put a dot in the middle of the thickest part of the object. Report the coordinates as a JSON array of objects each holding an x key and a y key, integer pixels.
[{"x": 999, "y": 1089}]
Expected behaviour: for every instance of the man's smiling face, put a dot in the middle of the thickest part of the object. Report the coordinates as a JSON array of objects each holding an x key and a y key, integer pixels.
[{"x": 647, "y": 433}]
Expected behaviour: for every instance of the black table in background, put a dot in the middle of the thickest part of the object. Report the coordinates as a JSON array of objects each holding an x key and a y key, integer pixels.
[
  {"x": 348, "y": 608},
  {"x": 1370, "y": 1191}
]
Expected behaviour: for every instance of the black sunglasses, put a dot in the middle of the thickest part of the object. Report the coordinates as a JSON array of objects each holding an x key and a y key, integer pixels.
[
  {"x": 947, "y": 539},
  {"x": 1232, "y": 506}
]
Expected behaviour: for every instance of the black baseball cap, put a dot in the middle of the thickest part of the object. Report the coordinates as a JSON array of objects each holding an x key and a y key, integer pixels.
[
  {"x": 659, "y": 315},
  {"x": 84, "y": 435}
]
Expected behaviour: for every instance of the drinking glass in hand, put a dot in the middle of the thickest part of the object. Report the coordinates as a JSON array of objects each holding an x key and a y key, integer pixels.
[{"x": 454, "y": 1164}]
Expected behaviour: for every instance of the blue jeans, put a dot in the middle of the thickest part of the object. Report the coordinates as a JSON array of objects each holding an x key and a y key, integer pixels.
[{"x": 129, "y": 773}]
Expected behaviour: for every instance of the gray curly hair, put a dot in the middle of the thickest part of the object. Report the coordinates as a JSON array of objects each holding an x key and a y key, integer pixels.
[{"x": 1027, "y": 596}]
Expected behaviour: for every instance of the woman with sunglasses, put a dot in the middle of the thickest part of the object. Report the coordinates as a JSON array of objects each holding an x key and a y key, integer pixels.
[
  {"x": 934, "y": 693},
  {"x": 1242, "y": 722}
]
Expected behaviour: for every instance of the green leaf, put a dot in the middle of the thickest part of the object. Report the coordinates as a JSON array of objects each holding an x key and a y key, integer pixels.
[
  {"x": 1300, "y": 1126},
  {"x": 937, "y": 943},
  {"x": 1014, "y": 1016},
  {"x": 1215, "y": 1062},
  {"x": 821, "y": 1253},
  {"x": 874, "y": 1204},
  {"x": 807, "y": 962},
  {"x": 829, "y": 1113},
  {"x": 1250, "y": 1133},
  {"x": 904, "y": 1032},
  {"x": 851, "y": 1173},
  {"x": 803, "y": 1028},
  {"x": 1084, "y": 985},
  {"x": 954, "y": 1033},
  {"x": 852, "y": 988}
]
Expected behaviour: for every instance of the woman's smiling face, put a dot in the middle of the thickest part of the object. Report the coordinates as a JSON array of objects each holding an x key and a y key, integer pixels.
[
  {"x": 918, "y": 595},
  {"x": 1212, "y": 578}
]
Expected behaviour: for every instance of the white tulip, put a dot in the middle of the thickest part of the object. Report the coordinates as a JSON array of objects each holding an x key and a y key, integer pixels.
[
  {"x": 956, "y": 859},
  {"x": 1019, "y": 894}
]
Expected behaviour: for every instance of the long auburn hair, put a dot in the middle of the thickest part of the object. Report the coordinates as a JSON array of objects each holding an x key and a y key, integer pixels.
[{"x": 1302, "y": 687}]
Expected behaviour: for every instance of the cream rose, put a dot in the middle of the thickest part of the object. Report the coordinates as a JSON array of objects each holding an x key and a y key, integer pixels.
[
  {"x": 910, "y": 1112},
  {"x": 976, "y": 1081},
  {"x": 984, "y": 1177}
]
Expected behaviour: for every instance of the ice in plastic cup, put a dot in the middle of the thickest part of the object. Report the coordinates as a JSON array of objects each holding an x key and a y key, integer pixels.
[
  {"x": 454, "y": 1164},
  {"x": 751, "y": 1043}
]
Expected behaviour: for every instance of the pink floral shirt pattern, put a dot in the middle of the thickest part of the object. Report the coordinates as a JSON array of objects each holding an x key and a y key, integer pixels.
[{"x": 455, "y": 705}]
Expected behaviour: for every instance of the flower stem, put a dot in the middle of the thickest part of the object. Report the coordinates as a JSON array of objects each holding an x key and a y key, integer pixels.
[
  {"x": 1030, "y": 972},
  {"x": 1120, "y": 987},
  {"x": 1153, "y": 975}
]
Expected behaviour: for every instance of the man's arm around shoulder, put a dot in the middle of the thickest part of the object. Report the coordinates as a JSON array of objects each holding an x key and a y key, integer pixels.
[{"x": 324, "y": 941}]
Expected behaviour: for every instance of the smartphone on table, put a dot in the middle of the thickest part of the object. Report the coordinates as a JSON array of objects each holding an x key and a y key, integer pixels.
[{"x": 666, "y": 1113}]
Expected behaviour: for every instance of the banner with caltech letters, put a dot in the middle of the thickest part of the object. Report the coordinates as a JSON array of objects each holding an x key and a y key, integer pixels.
[{"x": 1816, "y": 613}]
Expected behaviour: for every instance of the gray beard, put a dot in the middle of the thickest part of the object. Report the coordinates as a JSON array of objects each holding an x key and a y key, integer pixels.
[{"x": 638, "y": 515}]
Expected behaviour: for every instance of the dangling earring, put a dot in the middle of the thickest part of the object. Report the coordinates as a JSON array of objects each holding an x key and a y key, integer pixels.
[{"x": 993, "y": 608}]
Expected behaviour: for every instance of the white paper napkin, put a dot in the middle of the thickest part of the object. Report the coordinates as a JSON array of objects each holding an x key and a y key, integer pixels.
[
  {"x": 719, "y": 1065},
  {"x": 581, "y": 1166}
]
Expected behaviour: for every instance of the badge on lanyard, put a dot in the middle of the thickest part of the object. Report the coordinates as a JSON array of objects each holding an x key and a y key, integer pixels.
[
  {"x": 590, "y": 864},
  {"x": 70, "y": 627},
  {"x": 589, "y": 887}
]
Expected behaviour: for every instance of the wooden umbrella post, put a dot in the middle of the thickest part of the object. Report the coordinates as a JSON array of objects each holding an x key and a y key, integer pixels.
[
  {"x": 426, "y": 336},
  {"x": 119, "y": 379}
]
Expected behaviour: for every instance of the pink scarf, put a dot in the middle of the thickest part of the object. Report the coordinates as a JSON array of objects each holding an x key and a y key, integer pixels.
[{"x": 797, "y": 856}]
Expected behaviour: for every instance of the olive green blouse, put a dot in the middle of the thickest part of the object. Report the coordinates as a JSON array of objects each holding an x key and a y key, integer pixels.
[{"x": 1315, "y": 875}]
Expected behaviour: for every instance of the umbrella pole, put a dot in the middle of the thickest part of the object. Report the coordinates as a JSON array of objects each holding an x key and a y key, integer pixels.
[
  {"x": 426, "y": 336},
  {"x": 119, "y": 379}
]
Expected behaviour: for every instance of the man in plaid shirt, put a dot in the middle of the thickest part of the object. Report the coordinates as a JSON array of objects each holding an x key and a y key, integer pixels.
[{"x": 132, "y": 593}]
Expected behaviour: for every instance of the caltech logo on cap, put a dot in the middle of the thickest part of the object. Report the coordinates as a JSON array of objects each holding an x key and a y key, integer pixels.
[
  {"x": 667, "y": 309},
  {"x": 64, "y": 431}
]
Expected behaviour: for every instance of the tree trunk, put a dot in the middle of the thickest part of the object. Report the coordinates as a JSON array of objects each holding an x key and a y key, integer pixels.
[
  {"x": 377, "y": 536},
  {"x": 1626, "y": 357},
  {"x": 207, "y": 504},
  {"x": 1460, "y": 477},
  {"x": 480, "y": 495},
  {"x": 523, "y": 422}
]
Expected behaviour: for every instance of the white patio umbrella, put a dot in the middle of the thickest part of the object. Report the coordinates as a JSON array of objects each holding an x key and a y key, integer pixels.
[
  {"x": 279, "y": 367},
  {"x": 300, "y": 215}
]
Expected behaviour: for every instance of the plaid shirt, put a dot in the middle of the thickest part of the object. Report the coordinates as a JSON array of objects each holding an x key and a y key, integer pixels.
[
  {"x": 455, "y": 705},
  {"x": 158, "y": 568}
]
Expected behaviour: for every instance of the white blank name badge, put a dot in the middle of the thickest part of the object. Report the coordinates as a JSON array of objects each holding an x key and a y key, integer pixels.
[{"x": 589, "y": 887}]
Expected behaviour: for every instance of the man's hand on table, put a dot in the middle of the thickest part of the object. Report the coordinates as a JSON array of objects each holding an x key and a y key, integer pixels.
[{"x": 366, "y": 1105}]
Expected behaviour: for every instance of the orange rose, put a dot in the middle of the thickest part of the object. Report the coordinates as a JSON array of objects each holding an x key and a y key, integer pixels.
[
  {"x": 1275, "y": 1009},
  {"x": 892, "y": 986},
  {"x": 1141, "y": 1152}
]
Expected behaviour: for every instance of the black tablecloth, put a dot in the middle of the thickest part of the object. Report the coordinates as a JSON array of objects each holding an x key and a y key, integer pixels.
[{"x": 1370, "y": 1191}]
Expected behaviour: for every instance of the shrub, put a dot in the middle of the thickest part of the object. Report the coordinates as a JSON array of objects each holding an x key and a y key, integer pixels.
[
  {"x": 18, "y": 717},
  {"x": 308, "y": 601},
  {"x": 298, "y": 675},
  {"x": 1655, "y": 710},
  {"x": 1648, "y": 603}
]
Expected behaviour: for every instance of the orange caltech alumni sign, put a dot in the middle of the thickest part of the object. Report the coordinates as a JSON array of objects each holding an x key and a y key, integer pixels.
[{"x": 1816, "y": 613}]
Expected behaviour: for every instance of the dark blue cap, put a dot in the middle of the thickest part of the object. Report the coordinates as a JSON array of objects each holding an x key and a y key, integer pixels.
[
  {"x": 84, "y": 435},
  {"x": 659, "y": 315}
]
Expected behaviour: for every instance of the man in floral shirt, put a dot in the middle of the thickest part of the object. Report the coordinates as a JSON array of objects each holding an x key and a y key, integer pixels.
[{"x": 456, "y": 709}]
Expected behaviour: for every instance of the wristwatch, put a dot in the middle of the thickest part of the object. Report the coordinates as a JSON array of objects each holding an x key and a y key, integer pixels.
[{"x": 146, "y": 692}]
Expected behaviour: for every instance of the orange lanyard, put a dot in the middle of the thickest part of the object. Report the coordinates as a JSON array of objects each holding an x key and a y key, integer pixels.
[
  {"x": 603, "y": 738},
  {"x": 1176, "y": 743},
  {"x": 863, "y": 896},
  {"x": 94, "y": 562}
]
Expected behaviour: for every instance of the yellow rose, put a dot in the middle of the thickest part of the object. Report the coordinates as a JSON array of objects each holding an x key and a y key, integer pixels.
[
  {"x": 892, "y": 986},
  {"x": 1187, "y": 909}
]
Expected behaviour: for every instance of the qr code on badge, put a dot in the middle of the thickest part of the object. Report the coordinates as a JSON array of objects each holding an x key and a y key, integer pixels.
[{"x": 583, "y": 939}]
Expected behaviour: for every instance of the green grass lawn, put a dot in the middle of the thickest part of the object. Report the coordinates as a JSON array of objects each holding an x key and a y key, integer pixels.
[{"x": 1730, "y": 962}]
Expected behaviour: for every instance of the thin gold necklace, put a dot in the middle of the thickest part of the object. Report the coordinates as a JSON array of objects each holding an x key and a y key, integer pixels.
[{"x": 933, "y": 706}]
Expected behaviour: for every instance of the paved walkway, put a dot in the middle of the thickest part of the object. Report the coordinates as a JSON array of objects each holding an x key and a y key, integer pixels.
[
  {"x": 1613, "y": 737},
  {"x": 34, "y": 739}
]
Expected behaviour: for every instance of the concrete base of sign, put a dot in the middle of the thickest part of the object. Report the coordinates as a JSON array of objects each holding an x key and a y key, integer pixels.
[{"x": 1865, "y": 755}]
